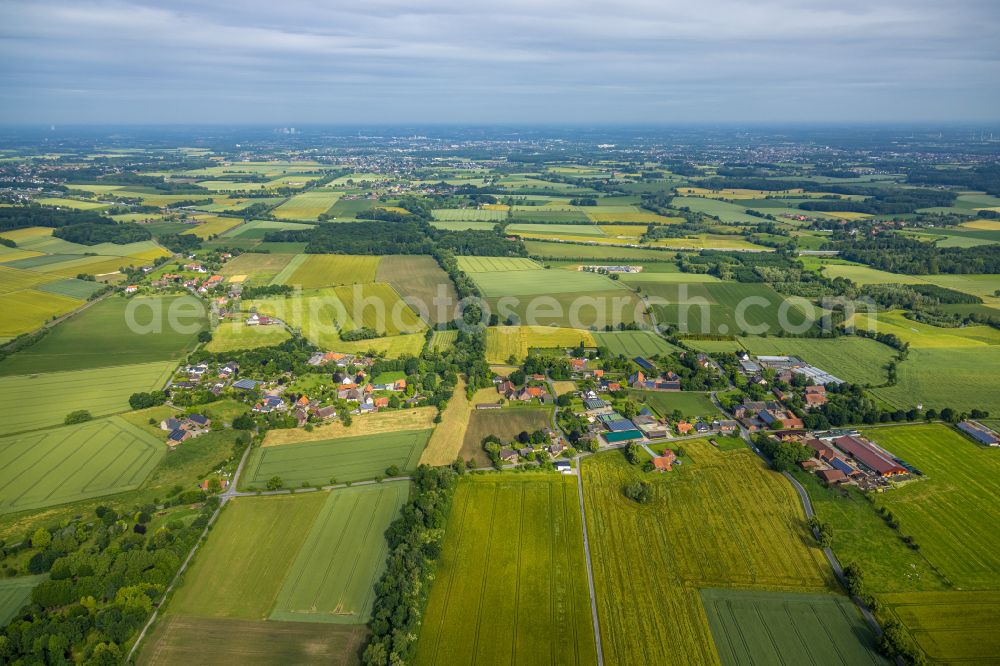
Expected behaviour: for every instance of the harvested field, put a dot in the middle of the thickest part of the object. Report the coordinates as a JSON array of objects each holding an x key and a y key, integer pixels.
[
  {"x": 422, "y": 283},
  {"x": 502, "y": 342},
  {"x": 446, "y": 442}
]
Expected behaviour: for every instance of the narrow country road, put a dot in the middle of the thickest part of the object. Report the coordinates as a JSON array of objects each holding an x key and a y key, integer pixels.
[{"x": 590, "y": 569}]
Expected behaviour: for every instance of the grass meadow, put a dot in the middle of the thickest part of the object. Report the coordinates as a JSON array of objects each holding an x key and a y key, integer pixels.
[
  {"x": 308, "y": 205},
  {"x": 854, "y": 359},
  {"x": 495, "y": 264},
  {"x": 380, "y": 423},
  {"x": 510, "y": 586},
  {"x": 331, "y": 270},
  {"x": 241, "y": 568},
  {"x": 100, "y": 336},
  {"x": 333, "y": 576},
  {"x": 231, "y": 335},
  {"x": 554, "y": 250},
  {"x": 719, "y": 521},
  {"x": 691, "y": 404},
  {"x": 343, "y": 459},
  {"x": 15, "y": 593},
  {"x": 634, "y": 343},
  {"x": 71, "y": 463},
  {"x": 445, "y": 443},
  {"x": 46, "y": 399}
]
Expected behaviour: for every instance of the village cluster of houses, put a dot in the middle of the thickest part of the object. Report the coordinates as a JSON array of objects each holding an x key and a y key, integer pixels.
[
  {"x": 785, "y": 367},
  {"x": 613, "y": 428},
  {"x": 181, "y": 429},
  {"x": 844, "y": 456}
]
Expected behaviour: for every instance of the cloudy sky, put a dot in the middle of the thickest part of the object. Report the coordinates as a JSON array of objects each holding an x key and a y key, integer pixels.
[{"x": 550, "y": 61}]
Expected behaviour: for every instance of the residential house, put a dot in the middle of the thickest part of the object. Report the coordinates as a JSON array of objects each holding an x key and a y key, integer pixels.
[{"x": 665, "y": 462}]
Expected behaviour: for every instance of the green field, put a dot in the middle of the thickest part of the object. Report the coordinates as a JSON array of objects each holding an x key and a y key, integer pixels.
[
  {"x": 782, "y": 628},
  {"x": 101, "y": 335},
  {"x": 46, "y": 399},
  {"x": 26, "y": 310},
  {"x": 691, "y": 404},
  {"x": 330, "y": 270},
  {"x": 719, "y": 521},
  {"x": 308, "y": 205},
  {"x": 495, "y": 264},
  {"x": 555, "y": 230},
  {"x": 726, "y": 308},
  {"x": 15, "y": 593},
  {"x": 72, "y": 463},
  {"x": 961, "y": 378},
  {"x": 541, "y": 282},
  {"x": 241, "y": 568},
  {"x": 470, "y": 214},
  {"x": 257, "y": 229},
  {"x": 951, "y": 627},
  {"x": 950, "y": 513},
  {"x": 947, "y": 594},
  {"x": 334, "y": 574},
  {"x": 343, "y": 459},
  {"x": 538, "y": 248},
  {"x": 634, "y": 343},
  {"x": 260, "y": 267},
  {"x": 232, "y": 335},
  {"x": 854, "y": 359},
  {"x": 505, "y": 423},
  {"x": 510, "y": 587}
]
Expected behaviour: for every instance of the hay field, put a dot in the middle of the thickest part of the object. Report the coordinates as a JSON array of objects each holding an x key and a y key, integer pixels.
[
  {"x": 541, "y": 248},
  {"x": 493, "y": 264},
  {"x": 100, "y": 335},
  {"x": 241, "y": 568},
  {"x": 212, "y": 225},
  {"x": 46, "y": 399},
  {"x": 510, "y": 586},
  {"x": 333, "y": 576},
  {"x": 502, "y": 342},
  {"x": 380, "y": 423},
  {"x": 634, "y": 343},
  {"x": 259, "y": 267},
  {"x": 72, "y": 463},
  {"x": 469, "y": 214},
  {"x": 231, "y": 335},
  {"x": 446, "y": 441},
  {"x": 330, "y": 270},
  {"x": 343, "y": 459},
  {"x": 742, "y": 526},
  {"x": 307, "y": 206}
]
